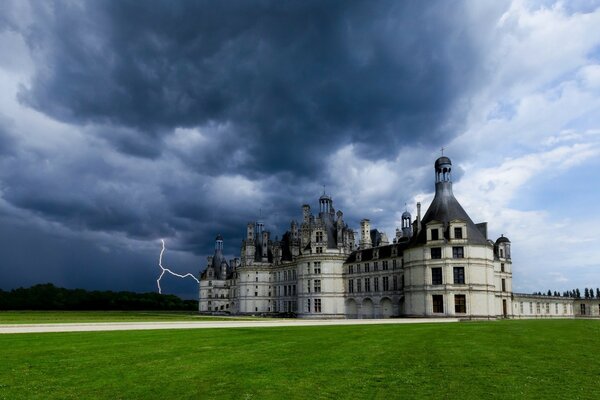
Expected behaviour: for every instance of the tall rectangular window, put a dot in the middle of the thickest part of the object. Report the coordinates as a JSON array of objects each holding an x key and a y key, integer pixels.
[
  {"x": 501, "y": 267},
  {"x": 436, "y": 253},
  {"x": 438, "y": 303},
  {"x": 317, "y": 267},
  {"x": 521, "y": 307},
  {"x": 393, "y": 264},
  {"x": 386, "y": 283},
  {"x": 460, "y": 303},
  {"x": 308, "y": 305},
  {"x": 384, "y": 265},
  {"x": 319, "y": 249},
  {"x": 319, "y": 236},
  {"x": 436, "y": 276},
  {"x": 308, "y": 268},
  {"x": 367, "y": 268},
  {"x": 367, "y": 284},
  {"x": 435, "y": 234},
  {"x": 317, "y": 305},
  {"x": 317, "y": 286},
  {"x": 351, "y": 286},
  {"x": 504, "y": 285},
  {"x": 350, "y": 269},
  {"x": 458, "y": 234},
  {"x": 376, "y": 284},
  {"x": 458, "y": 252},
  {"x": 395, "y": 279},
  {"x": 358, "y": 268},
  {"x": 308, "y": 286},
  {"x": 358, "y": 286},
  {"x": 459, "y": 275}
]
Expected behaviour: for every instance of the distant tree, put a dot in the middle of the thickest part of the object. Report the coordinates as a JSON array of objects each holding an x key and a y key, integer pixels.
[
  {"x": 577, "y": 293},
  {"x": 598, "y": 293},
  {"x": 586, "y": 293},
  {"x": 549, "y": 292},
  {"x": 591, "y": 293}
]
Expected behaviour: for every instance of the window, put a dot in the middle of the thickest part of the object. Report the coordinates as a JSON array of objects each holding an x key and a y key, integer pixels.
[
  {"x": 319, "y": 250},
  {"x": 308, "y": 286},
  {"x": 564, "y": 308},
  {"x": 358, "y": 287},
  {"x": 317, "y": 267},
  {"x": 436, "y": 253},
  {"x": 435, "y": 234},
  {"x": 294, "y": 274},
  {"x": 285, "y": 276},
  {"x": 460, "y": 303},
  {"x": 504, "y": 285},
  {"x": 375, "y": 266},
  {"x": 350, "y": 269},
  {"x": 438, "y": 303},
  {"x": 384, "y": 265},
  {"x": 530, "y": 307},
  {"x": 537, "y": 308},
  {"x": 209, "y": 283},
  {"x": 521, "y": 307},
  {"x": 308, "y": 268},
  {"x": 395, "y": 282},
  {"x": 547, "y": 308},
  {"x": 317, "y": 286},
  {"x": 351, "y": 286},
  {"x": 386, "y": 283},
  {"x": 376, "y": 284},
  {"x": 582, "y": 309},
  {"x": 367, "y": 268},
  {"x": 556, "y": 308},
  {"x": 459, "y": 275},
  {"x": 308, "y": 305},
  {"x": 458, "y": 252},
  {"x": 367, "y": 284},
  {"x": 317, "y": 305},
  {"x": 255, "y": 294},
  {"x": 501, "y": 253},
  {"x": 458, "y": 233},
  {"x": 358, "y": 268},
  {"x": 393, "y": 264},
  {"x": 436, "y": 276},
  {"x": 319, "y": 236},
  {"x": 501, "y": 267}
]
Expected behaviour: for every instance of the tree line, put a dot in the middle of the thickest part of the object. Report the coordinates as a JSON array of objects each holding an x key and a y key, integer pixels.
[
  {"x": 49, "y": 297},
  {"x": 575, "y": 293}
]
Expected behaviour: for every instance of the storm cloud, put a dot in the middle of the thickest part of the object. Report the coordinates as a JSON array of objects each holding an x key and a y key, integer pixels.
[{"x": 184, "y": 120}]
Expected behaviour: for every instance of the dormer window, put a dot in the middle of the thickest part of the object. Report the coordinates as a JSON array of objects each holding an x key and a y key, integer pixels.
[
  {"x": 358, "y": 254},
  {"x": 376, "y": 253},
  {"x": 319, "y": 236},
  {"x": 458, "y": 233},
  {"x": 435, "y": 234}
]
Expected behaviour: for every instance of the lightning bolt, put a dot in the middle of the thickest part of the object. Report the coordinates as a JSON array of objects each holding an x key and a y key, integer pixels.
[{"x": 164, "y": 269}]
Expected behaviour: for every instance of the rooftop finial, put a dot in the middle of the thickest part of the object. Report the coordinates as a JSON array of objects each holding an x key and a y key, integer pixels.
[{"x": 442, "y": 150}]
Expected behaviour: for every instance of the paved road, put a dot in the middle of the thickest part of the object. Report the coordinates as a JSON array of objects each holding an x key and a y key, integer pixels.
[{"x": 126, "y": 326}]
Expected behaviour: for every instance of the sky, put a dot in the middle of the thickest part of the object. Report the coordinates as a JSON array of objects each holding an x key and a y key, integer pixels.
[{"x": 126, "y": 122}]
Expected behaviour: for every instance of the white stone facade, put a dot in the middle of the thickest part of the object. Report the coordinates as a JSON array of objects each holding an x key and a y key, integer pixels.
[{"x": 441, "y": 265}]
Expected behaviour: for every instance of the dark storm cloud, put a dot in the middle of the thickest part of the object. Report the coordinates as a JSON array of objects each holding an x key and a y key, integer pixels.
[
  {"x": 165, "y": 99},
  {"x": 291, "y": 81}
]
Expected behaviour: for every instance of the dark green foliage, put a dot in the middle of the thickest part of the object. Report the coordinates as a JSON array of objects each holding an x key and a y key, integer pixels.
[{"x": 49, "y": 297}]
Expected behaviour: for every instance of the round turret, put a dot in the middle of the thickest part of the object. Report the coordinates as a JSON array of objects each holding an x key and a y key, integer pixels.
[{"x": 443, "y": 167}]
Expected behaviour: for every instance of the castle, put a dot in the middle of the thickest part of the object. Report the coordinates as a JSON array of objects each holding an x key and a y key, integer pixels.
[{"x": 438, "y": 265}]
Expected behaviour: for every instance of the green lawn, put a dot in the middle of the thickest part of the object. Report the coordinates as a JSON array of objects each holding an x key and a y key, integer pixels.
[
  {"x": 477, "y": 360},
  {"x": 48, "y": 317}
]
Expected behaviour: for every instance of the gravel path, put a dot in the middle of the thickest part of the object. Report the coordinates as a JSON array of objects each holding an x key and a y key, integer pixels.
[{"x": 127, "y": 326}]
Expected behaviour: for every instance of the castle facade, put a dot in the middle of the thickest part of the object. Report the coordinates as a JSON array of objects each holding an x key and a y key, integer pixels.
[{"x": 439, "y": 265}]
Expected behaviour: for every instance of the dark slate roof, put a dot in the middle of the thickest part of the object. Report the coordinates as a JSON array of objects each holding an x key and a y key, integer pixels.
[
  {"x": 384, "y": 252},
  {"x": 445, "y": 208},
  {"x": 502, "y": 239}
]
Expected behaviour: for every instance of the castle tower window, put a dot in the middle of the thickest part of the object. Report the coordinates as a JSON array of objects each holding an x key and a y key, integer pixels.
[
  {"x": 308, "y": 305},
  {"x": 317, "y": 286},
  {"x": 375, "y": 266},
  {"x": 395, "y": 280},
  {"x": 367, "y": 268},
  {"x": 367, "y": 284},
  {"x": 317, "y": 305},
  {"x": 458, "y": 252},
  {"x": 386, "y": 283},
  {"x": 501, "y": 267},
  {"x": 358, "y": 286},
  {"x": 435, "y": 234},
  {"x": 436, "y": 276},
  {"x": 458, "y": 233},
  {"x": 504, "y": 285},
  {"x": 319, "y": 236},
  {"x": 351, "y": 286},
  {"x": 436, "y": 253},
  {"x": 350, "y": 269},
  {"x": 319, "y": 250},
  {"x": 460, "y": 304},
  {"x": 384, "y": 265},
  {"x": 317, "y": 267},
  {"x": 459, "y": 275},
  {"x": 438, "y": 303},
  {"x": 376, "y": 284}
]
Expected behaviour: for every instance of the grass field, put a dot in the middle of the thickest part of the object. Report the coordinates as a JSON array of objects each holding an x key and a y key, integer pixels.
[
  {"x": 48, "y": 317},
  {"x": 506, "y": 359}
]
